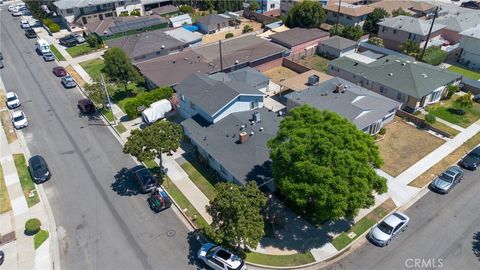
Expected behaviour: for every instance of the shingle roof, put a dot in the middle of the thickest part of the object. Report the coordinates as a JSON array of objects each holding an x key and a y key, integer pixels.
[
  {"x": 340, "y": 43},
  {"x": 247, "y": 75},
  {"x": 411, "y": 78},
  {"x": 297, "y": 36},
  {"x": 472, "y": 32},
  {"x": 184, "y": 35},
  {"x": 359, "y": 105},
  {"x": 410, "y": 25},
  {"x": 460, "y": 22},
  {"x": 66, "y": 4},
  {"x": 113, "y": 25},
  {"x": 349, "y": 9},
  {"x": 213, "y": 19}
]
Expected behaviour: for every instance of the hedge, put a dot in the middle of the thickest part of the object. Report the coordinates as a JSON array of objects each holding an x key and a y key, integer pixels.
[
  {"x": 145, "y": 99},
  {"x": 32, "y": 226},
  {"x": 54, "y": 28}
]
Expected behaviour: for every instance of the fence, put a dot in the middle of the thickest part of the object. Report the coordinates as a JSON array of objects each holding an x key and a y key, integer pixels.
[
  {"x": 421, "y": 123},
  {"x": 294, "y": 66},
  {"x": 252, "y": 15},
  {"x": 305, "y": 53}
]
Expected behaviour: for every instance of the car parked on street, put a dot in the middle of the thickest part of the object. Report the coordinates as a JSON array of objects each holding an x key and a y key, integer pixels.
[
  {"x": 24, "y": 24},
  {"x": 19, "y": 119},
  {"x": 159, "y": 200},
  {"x": 219, "y": 258},
  {"x": 68, "y": 82},
  {"x": 383, "y": 233},
  {"x": 86, "y": 106},
  {"x": 59, "y": 71},
  {"x": 17, "y": 13},
  {"x": 1, "y": 63},
  {"x": 12, "y": 100},
  {"x": 48, "y": 57},
  {"x": 447, "y": 180},
  {"x": 144, "y": 178},
  {"x": 30, "y": 33},
  {"x": 38, "y": 168},
  {"x": 471, "y": 160},
  {"x": 68, "y": 41},
  {"x": 2, "y": 257}
]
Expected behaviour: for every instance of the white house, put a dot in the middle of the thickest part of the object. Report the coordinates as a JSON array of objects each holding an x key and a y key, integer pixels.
[{"x": 470, "y": 48}]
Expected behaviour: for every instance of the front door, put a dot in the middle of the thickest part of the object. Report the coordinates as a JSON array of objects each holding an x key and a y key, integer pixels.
[
  {"x": 84, "y": 20},
  {"x": 100, "y": 16}
]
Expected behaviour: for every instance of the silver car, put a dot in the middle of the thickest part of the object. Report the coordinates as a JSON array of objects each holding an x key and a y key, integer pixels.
[
  {"x": 447, "y": 180},
  {"x": 68, "y": 82},
  {"x": 385, "y": 231}
]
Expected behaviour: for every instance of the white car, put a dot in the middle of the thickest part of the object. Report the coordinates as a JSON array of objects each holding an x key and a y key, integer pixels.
[
  {"x": 389, "y": 228},
  {"x": 17, "y": 13},
  {"x": 12, "y": 100},
  {"x": 219, "y": 258},
  {"x": 24, "y": 24},
  {"x": 19, "y": 119},
  {"x": 12, "y": 8}
]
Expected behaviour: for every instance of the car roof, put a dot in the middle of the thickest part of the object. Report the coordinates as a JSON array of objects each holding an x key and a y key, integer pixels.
[
  {"x": 394, "y": 219},
  {"x": 17, "y": 113},
  {"x": 453, "y": 170},
  {"x": 36, "y": 158},
  {"x": 11, "y": 94},
  {"x": 476, "y": 151},
  {"x": 58, "y": 67}
]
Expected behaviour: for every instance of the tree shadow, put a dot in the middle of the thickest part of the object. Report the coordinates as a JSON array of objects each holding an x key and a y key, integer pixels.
[
  {"x": 194, "y": 243},
  {"x": 262, "y": 174},
  {"x": 476, "y": 244},
  {"x": 124, "y": 183}
]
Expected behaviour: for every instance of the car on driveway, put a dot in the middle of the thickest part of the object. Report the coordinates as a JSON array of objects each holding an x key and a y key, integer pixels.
[
  {"x": 24, "y": 24},
  {"x": 68, "y": 82},
  {"x": 219, "y": 258},
  {"x": 476, "y": 98},
  {"x": 79, "y": 38},
  {"x": 19, "y": 119},
  {"x": 68, "y": 41},
  {"x": 86, "y": 106},
  {"x": 30, "y": 33},
  {"x": 38, "y": 168},
  {"x": 144, "y": 178},
  {"x": 48, "y": 57},
  {"x": 12, "y": 100},
  {"x": 471, "y": 160},
  {"x": 389, "y": 228},
  {"x": 447, "y": 180},
  {"x": 59, "y": 71}
]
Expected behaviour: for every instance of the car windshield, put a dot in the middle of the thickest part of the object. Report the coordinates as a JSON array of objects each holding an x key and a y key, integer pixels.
[
  {"x": 224, "y": 254},
  {"x": 212, "y": 251},
  {"x": 48, "y": 54},
  {"x": 384, "y": 227},
  {"x": 37, "y": 165},
  {"x": 447, "y": 177},
  {"x": 12, "y": 98},
  {"x": 19, "y": 118}
]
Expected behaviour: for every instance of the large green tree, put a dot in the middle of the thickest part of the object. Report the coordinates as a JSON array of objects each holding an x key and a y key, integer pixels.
[
  {"x": 236, "y": 214},
  {"x": 323, "y": 165},
  {"x": 118, "y": 67},
  {"x": 410, "y": 47},
  {"x": 400, "y": 11},
  {"x": 253, "y": 5},
  {"x": 353, "y": 32},
  {"x": 370, "y": 25},
  {"x": 151, "y": 142},
  {"x": 305, "y": 14}
]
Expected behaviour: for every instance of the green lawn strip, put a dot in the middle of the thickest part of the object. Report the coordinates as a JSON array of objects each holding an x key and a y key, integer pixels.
[
  {"x": 441, "y": 111},
  {"x": 25, "y": 179},
  {"x": 200, "y": 180},
  {"x": 441, "y": 126},
  {"x": 108, "y": 114},
  {"x": 80, "y": 50},
  {"x": 120, "y": 128},
  {"x": 358, "y": 228},
  {"x": 93, "y": 67},
  {"x": 280, "y": 260},
  {"x": 5, "y": 205},
  {"x": 150, "y": 164},
  {"x": 474, "y": 75},
  {"x": 57, "y": 53},
  {"x": 39, "y": 238}
]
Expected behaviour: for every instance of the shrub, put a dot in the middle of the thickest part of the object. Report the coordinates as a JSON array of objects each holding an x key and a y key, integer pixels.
[
  {"x": 452, "y": 89},
  {"x": 47, "y": 22},
  {"x": 422, "y": 125},
  {"x": 32, "y": 226},
  {"x": 430, "y": 118},
  {"x": 247, "y": 28},
  {"x": 228, "y": 35},
  {"x": 465, "y": 101},
  {"x": 92, "y": 40},
  {"x": 382, "y": 131},
  {"x": 434, "y": 55},
  {"x": 416, "y": 112},
  {"x": 186, "y": 9},
  {"x": 54, "y": 28},
  {"x": 135, "y": 13},
  {"x": 123, "y": 14},
  {"x": 145, "y": 99},
  {"x": 376, "y": 41}
]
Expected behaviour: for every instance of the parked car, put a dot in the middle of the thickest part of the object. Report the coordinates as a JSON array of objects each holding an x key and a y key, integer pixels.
[
  {"x": 471, "y": 4},
  {"x": 456, "y": 111},
  {"x": 17, "y": 13},
  {"x": 219, "y": 258},
  {"x": 1, "y": 63},
  {"x": 38, "y": 168},
  {"x": 12, "y": 100},
  {"x": 59, "y": 71},
  {"x": 144, "y": 178},
  {"x": 447, "y": 180},
  {"x": 2, "y": 257},
  {"x": 24, "y": 24},
  {"x": 476, "y": 98},
  {"x": 79, "y": 38},
  {"x": 159, "y": 200},
  {"x": 68, "y": 41},
  {"x": 389, "y": 228},
  {"x": 471, "y": 160},
  {"x": 1, "y": 56},
  {"x": 48, "y": 57},
  {"x": 86, "y": 106},
  {"x": 68, "y": 82},
  {"x": 30, "y": 33},
  {"x": 19, "y": 119}
]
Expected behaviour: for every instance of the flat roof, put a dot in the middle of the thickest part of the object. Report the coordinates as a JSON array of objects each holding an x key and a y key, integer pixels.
[
  {"x": 299, "y": 82},
  {"x": 297, "y": 36}
]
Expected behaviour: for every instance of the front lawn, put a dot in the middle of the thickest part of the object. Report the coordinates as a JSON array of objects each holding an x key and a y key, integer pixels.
[
  {"x": 280, "y": 260},
  {"x": 440, "y": 110},
  {"x": 441, "y": 126},
  {"x": 120, "y": 128},
  {"x": 39, "y": 238},
  {"x": 25, "y": 180},
  {"x": 315, "y": 62},
  {"x": 93, "y": 67},
  {"x": 4, "y": 198},
  {"x": 57, "y": 53},
  {"x": 80, "y": 50},
  {"x": 474, "y": 75},
  {"x": 203, "y": 179}
]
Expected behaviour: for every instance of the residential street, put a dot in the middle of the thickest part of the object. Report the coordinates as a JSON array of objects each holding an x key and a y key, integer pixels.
[
  {"x": 441, "y": 233},
  {"x": 102, "y": 222}
]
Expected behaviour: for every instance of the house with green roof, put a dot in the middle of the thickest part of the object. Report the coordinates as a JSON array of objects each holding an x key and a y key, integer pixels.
[{"x": 414, "y": 84}]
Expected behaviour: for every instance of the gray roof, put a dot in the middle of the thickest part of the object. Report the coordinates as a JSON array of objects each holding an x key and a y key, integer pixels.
[
  {"x": 460, "y": 22},
  {"x": 211, "y": 93},
  {"x": 473, "y": 32},
  {"x": 114, "y": 25},
  {"x": 409, "y": 77},
  {"x": 213, "y": 19},
  {"x": 340, "y": 43},
  {"x": 146, "y": 43},
  {"x": 245, "y": 161},
  {"x": 297, "y": 36},
  {"x": 66, "y": 4},
  {"x": 411, "y": 25},
  {"x": 246, "y": 75},
  {"x": 359, "y": 105},
  {"x": 184, "y": 35},
  {"x": 179, "y": 18},
  {"x": 164, "y": 9}
]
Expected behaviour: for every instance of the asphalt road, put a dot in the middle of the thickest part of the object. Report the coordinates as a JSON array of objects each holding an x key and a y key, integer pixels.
[
  {"x": 440, "y": 235},
  {"x": 102, "y": 221}
]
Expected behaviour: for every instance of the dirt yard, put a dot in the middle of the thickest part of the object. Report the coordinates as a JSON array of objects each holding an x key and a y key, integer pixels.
[
  {"x": 71, "y": 71},
  {"x": 236, "y": 32},
  {"x": 404, "y": 145},
  {"x": 280, "y": 73}
]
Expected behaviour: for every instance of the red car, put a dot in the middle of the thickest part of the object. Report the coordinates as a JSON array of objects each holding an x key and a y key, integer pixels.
[{"x": 59, "y": 71}]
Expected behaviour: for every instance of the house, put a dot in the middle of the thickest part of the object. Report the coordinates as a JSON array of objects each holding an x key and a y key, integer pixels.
[
  {"x": 369, "y": 111},
  {"x": 457, "y": 23},
  {"x": 265, "y": 6},
  {"x": 148, "y": 45},
  {"x": 124, "y": 25},
  {"x": 470, "y": 48},
  {"x": 213, "y": 23},
  {"x": 414, "y": 8},
  {"x": 411, "y": 83},
  {"x": 214, "y": 98},
  {"x": 395, "y": 31},
  {"x": 236, "y": 146},
  {"x": 336, "y": 46},
  {"x": 243, "y": 51},
  {"x": 249, "y": 76},
  {"x": 180, "y": 20},
  {"x": 348, "y": 14},
  {"x": 299, "y": 40},
  {"x": 191, "y": 38}
]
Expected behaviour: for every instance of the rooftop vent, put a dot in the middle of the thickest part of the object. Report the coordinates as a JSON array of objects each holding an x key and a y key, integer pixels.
[
  {"x": 261, "y": 128},
  {"x": 236, "y": 62},
  {"x": 252, "y": 133},
  {"x": 398, "y": 61},
  {"x": 339, "y": 88},
  {"x": 280, "y": 113},
  {"x": 390, "y": 74},
  {"x": 163, "y": 47},
  {"x": 243, "y": 137},
  {"x": 403, "y": 64},
  {"x": 408, "y": 61},
  {"x": 424, "y": 75},
  {"x": 242, "y": 127},
  {"x": 256, "y": 117}
]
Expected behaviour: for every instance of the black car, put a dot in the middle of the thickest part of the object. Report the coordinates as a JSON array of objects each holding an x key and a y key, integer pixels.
[
  {"x": 2, "y": 257},
  {"x": 456, "y": 111},
  {"x": 476, "y": 98},
  {"x": 471, "y": 160},
  {"x": 86, "y": 106},
  {"x": 68, "y": 41},
  {"x": 30, "y": 33},
  {"x": 38, "y": 168},
  {"x": 144, "y": 178},
  {"x": 471, "y": 4}
]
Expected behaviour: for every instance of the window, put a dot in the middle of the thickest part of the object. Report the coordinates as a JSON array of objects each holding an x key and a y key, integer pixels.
[
  {"x": 354, "y": 76},
  {"x": 69, "y": 11},
  {"x": 108, "y": 14},
  {"x": 399, "y": 96},
  {"x": 217, "y": 262},
  {"x": 382, "y": 89},
  {"x": 394, "y": 31},
  {"x": 384, "y": 29},
  {"x": 253, "y": 105},
  {"x": 435, "y": 96},
  {"x": 272, "y": 6},
  {"x": 375, "y": 127},
  {"x": 222, "y": 170},
  {"x": 349, "y": 18},
  {"x": 121, "y": 3},
  {"x": 182, "y": 97}
]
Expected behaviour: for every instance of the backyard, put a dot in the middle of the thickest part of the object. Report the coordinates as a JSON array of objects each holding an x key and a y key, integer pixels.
[
  {"x": 315, "y": 62},
  {"x": 441, "y": 110},
  {"x": 474, "y": 75},
  {"x": 403, "y": 145},
  {"x": 280, "y": 73},
  {"x": 236, "y": 32}
]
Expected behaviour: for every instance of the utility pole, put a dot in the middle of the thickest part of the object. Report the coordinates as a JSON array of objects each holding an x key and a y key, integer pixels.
[
  {"x": 221, "y": 56},
  {"x": 108, "y": 98},
  {"x": 338, "y": 15},
  {"x": 420, "y": 57}
]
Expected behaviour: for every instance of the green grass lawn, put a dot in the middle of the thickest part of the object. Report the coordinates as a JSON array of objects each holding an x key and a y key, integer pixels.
[
  {"x": 39, "y": 238},
  {"x": 25, "y": 180},
  {"x": 475, "y": 75},
  {"x": 315, "y": 62},
  {"x": 201, "y": 178},
  {"x": 93, "y": 67},
  {"x": 57, "y": 54},
  {"x": 280, "y": 260},
  {"x": 150, "y": 164},
  {"x": 120, "y": 128},
  {"x": 122, "y": 95},
  {"x": 441, "y": 111},
  {"x": 80, "y": 50},
  {"x": 108, "y": 114},
  {"x": 5, "y": 205},
  {"x": 441, "y": 126}
]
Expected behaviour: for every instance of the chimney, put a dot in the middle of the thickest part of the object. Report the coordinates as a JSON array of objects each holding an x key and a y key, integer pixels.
[
  {"x": 340, "y": 88},
  {"x": 243, "y": 137}
]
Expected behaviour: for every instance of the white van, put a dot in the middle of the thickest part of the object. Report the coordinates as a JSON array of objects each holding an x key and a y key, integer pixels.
[
  {"x": 156, "y": 111},
  {"x": 42, "y": 46}
]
